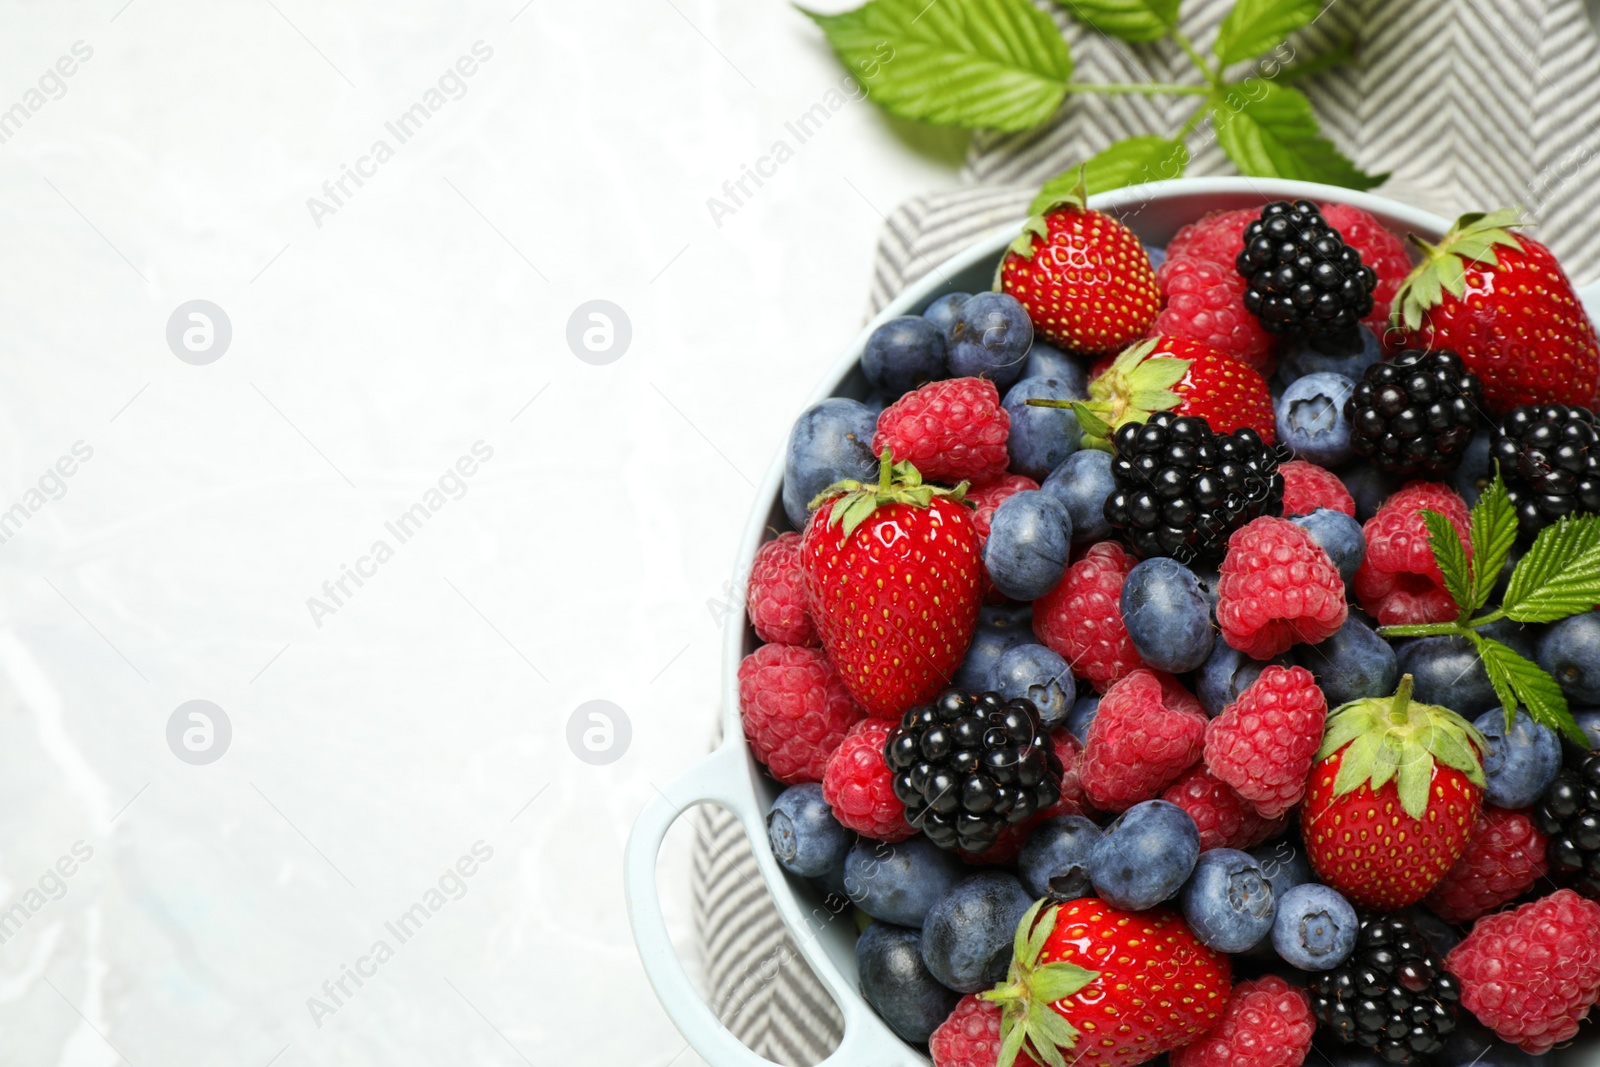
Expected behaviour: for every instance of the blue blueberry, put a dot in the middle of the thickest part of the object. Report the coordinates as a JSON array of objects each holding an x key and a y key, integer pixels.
[
  {"x": 967, "y": 936},
  {"x": 1030, "y": 537},
  {"x": 1474, "y": 1045},
  {"x": 1354, "y": 663},
  {"x": 942, "y": 312},
  {"x": 806, "y": 839},
  {"x": 1048, "y": 361},
  {"x": 830, "y": 440},
  {"x": 1082, "y": 483},
  {"x": 1570, "y": 651},
  {"x": 1311, "y": 418},
  {"x": 998, "y": 630},
  {"x": 1331, "y": 355},
  {"x": 1228, "y": 900},
  {"x": 1340, "y": 537},
  {"x": 1225, "y": 674},
  {"x": 1083, "y": 713},
  {"x": 1369, "y": 486},
  {"x": 1315, "y": 929},
  {"x": 1146, "y": 855},
  {"x": 1041, "y": 439},
  {"x": 1474, "y": 475},
  {"x": 1447, "y": 671},
  {"x": 1054, "y": 862},
  {"x": 899, "y": 883},
  {"x": 1168, "y": 615},
  {"x": 1521, "y": 762},
  {"x": 904, "y": 353},
  {"x": 898, "y": 984},
  {"x": 1035, "y": 672},
  {"x": 1157, "y": 254},
  {"x": 1522, "y": 637},
  {"x": 1284, "y": 863},
  {"x": 990, "y": 336},
  {"x": 1588, "y": 721}
]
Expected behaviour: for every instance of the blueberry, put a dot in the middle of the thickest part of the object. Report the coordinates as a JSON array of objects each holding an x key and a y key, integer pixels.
[
  {"x": 1225, "y": 674},
  {"x": 1048, "y": 361},
  {"x": 1336, "y": 355},
  {"x": 1315, "y": 929},
  {"x": 1522, "y": 637},
  {"x": 1055, "y": 861},
  {"x": 990, "y": 336},
  {"x": 898, "y": 984},
  {"x": 1041, "y": 439},
  {"x": 997, "y": 631},
  {"x": 1447, "y": 671},
  {"x": 899, "y": 883},
  {"x": 1082, "y": 483},
  {"x": 1521, "y": 762},
  {"x": 1284, "y": 863},
  {"x": 1473, "y": 476},
  {"x": 1588, "y": 721},
  {"x": 1354, "y": 663},
  {"x": 831, "y": 882},
  {"x": 1228, "y": 900},
  {"x": 1157, "y": 254},
  {"x": 1082, "y": 715},
  {"x": 904, "y": 353},
  {"x": 1030, "y": 537},
  {"x": 1369, "y": 486},
  {"x": 1035, "y": 672},
  {"x": 967, "y": 936},
  {"x": 1474, "y": 1045},
  {"x": 1145, "y": 856},
  {"x": 1441, "y": 935},
  {"x": 1168, "y": 615},
  {"x": 1340, "y": 537},
  {"x": 806, "y": 839},
  {"x": 830, "y": 441},
  {"x": 1570, "y": 651},
  {"x": 942, "y": 312},
  {"x": 1311, "y": 418}
]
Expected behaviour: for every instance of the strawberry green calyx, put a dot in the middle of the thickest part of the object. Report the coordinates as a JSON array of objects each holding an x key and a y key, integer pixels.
[
  {"x": 1134, "y": 387},
  {"x": 1399, "y": 738},
  {"x": 898, "y": 483},
  {"x": 1027, "y": 1019},
  {"x": 1036, "y": 229},
  {"x": 1472, "y": 239}
]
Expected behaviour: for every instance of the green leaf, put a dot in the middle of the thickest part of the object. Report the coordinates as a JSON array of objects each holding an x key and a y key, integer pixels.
[
  {"x": 1560, "y": 575},
  {"x": 1132, "y": 161},
  {"x": 995, "y": 64},
  {"x": 1256, "y": 26},
  {"x": 1275, "y": 135},
  {"x": 1525, "y": 682},
  {"x": 1131, "y": 20},
  {"x": 1492, "y": 530},
  {"x": 1449, "y": 555}
]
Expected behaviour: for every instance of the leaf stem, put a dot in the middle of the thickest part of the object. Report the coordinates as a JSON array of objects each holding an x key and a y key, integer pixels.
[
  {"x": 1141, "y": 88},
  {"x": 1214, "y": 77},
  {"x": 1483, "y": 620}
]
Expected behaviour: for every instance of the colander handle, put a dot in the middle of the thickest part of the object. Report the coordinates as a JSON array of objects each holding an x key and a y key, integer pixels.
[{"x": 722, "y": 778}]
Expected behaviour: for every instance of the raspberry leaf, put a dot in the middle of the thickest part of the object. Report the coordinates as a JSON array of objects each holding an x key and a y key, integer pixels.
[
  {"x": 1450, "y": 557},
  {"x": 1517, "y": 680},
  {"x": 1560, "y": 575},
  {"x": 1256, "y": 26},
  {"x": 1140, "y": 21},
  {"x": 1276, "y": 136},
  {"x": 1131, "y": 161},
  {"x": 1492, "y": 529}
]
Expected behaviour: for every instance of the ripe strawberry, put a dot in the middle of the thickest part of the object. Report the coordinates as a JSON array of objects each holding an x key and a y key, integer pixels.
[
  {"x": 1503, "y": 302},
  {"x": 1083, "y": 277},
  {"x": 891, "y": 574},
  {"x": 1097, "y": 986},
  {"x": 1393, "y": 799}
]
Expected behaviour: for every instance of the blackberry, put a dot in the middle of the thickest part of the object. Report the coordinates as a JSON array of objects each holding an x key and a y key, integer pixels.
[
  {"x": 1415, "y": 413},
  {"x": 1301, "y": 277},
  {"x": 1392, "y": 996},
  {"x": 1549, "y": 456},
  {"x": 1181, "y": 488},
  {"x": 1569, "y": 813},
  {"x": 966, "y": 767}
]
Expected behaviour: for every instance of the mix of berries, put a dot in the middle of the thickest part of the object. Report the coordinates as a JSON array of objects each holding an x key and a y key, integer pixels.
[{"x": 1081, "y": 669}]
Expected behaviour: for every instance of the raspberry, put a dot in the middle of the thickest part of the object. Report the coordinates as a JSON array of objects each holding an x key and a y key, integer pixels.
[
  {"x": 1217, "y": 237},
  {"x": 1225, "y": 819},
  {"x": 776, "y": 595},
  {"x": 950, "y": 430},
  {"x": 1080, "y": 620},
  {"x": 1380, "y": 249},
  {"x": 970, "y": 1037},
  {"x": 1138, "y": 743},
  {"x": 859, "y": 786},
  {"x": 1504, "y": 857},
  {"x": 1278, "y": 588},
  {"x": 1307, "y": 487},
  {"x": 795, "y": 710},
  {"x": 1266, "y": 1023},
  {"x": 990, "y": 495},
  {"x": 1532, "y": 974},
  {"x": 1399, "y": 582},
  {"x": 1205, "y": 301},
  {"x": 1069, "y": 750},
  {"x": 1263, "y": 744}
]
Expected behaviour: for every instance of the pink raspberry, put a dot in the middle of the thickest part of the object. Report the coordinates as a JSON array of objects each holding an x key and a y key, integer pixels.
[
  {"x": 990, "y": 495},
  {"x": 1504, "y": 858},
  {"x": 795, "y": 710},
  {"x": 1217, "y": 236},
  {"x": 950, "y": 430},
  {"x": 1266, "y": 1023},
  {"x": 1225, "y": 819},
  {"x": 1138, "y": 743},
  {"x": 1307, "y": 487},
  {"x": 1532, "y": 974},
  {"x": 1263, "y": 743},
  {"x": 970, "y": 1037},
  {"x": 1205, "y": 301},
  {"x": 859, "y": 786},
  {"x": 776, "y": 595},
  {"x": 1081, "y": 618},
  {"x": 1380, "y": 249},
  {"x": 1278, "y": 588},
  {"x": 1398, "y": 581}
]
